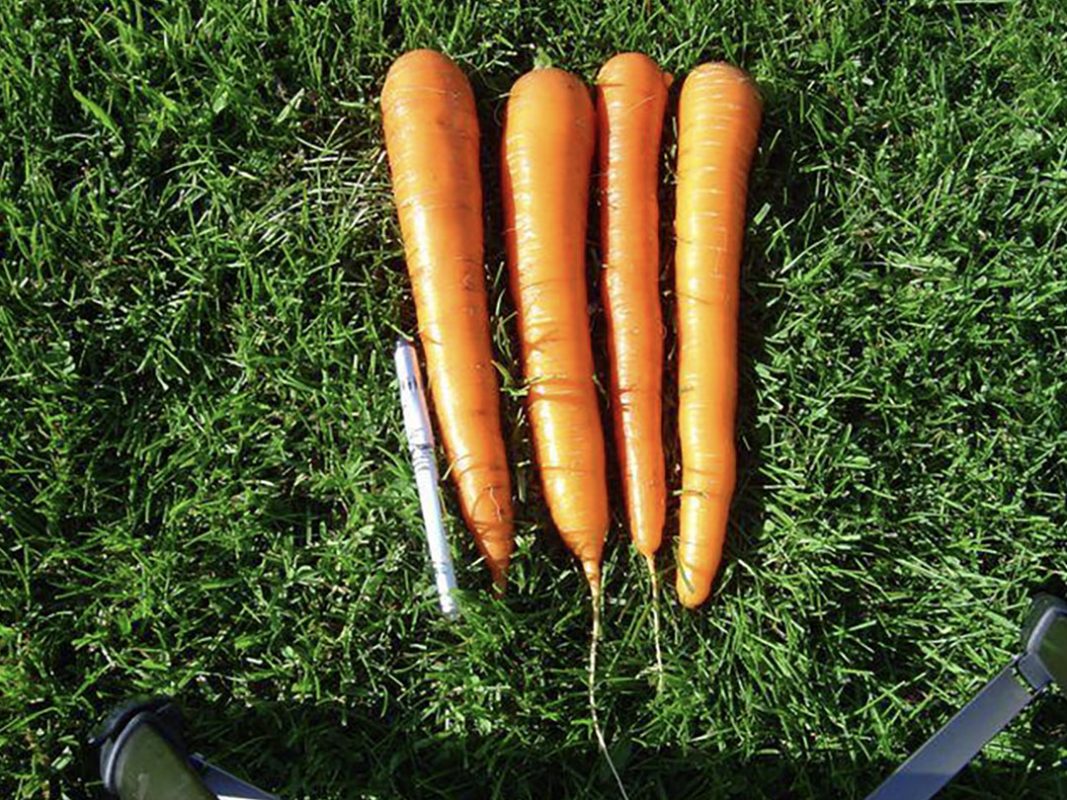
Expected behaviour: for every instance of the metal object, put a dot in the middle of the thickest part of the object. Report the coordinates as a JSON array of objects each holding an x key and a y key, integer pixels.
[
  {"x": 420, "y": 443},
  {"x": 1042, "y": 663},
  {"x": 143, "y": 757}
]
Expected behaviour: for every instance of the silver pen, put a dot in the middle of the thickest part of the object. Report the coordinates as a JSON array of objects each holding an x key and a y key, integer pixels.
[{"x": 421, "y": 444}]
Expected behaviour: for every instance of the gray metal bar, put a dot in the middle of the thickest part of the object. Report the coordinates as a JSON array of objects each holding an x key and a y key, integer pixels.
[
  {"x": 226, "y": 786},
  {"x": 952, "y": 748}
]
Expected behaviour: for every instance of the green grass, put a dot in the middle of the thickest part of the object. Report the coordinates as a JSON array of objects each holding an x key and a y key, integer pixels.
[{"x": 202, "y": 482}]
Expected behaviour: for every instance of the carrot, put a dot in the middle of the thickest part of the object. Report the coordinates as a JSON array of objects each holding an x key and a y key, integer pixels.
[
  {"x": 718, "y": 119},
  {"x": 631, "y": 98},
  {"x": 549, "y": 135},
  {"x": 547, "y": 155},
  {"x": 431, "y": 134}
]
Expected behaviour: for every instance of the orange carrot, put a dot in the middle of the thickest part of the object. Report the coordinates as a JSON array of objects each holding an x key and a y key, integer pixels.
[
  {"x": 431, "y": 134},
  {"x": 631, "y": 98},
  {"x": 547, "y": 155},
  {"x": 548, "y": 149},
  {"x": 718, "y": 121}
]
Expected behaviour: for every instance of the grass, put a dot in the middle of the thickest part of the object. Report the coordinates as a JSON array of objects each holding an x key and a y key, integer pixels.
[{"x": 202, "y": 483}]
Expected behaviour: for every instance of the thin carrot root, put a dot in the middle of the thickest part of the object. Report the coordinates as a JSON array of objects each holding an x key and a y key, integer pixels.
[
  {"x": 650, "y": 560},
  {"x": 594, "y": 639}
]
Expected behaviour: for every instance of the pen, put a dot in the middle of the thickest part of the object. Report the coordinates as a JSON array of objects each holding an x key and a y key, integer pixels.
[{"x": 421, "y": 445}]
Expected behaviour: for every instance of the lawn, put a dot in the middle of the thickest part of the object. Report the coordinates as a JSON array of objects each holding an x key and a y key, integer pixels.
[{"x": 203, "y": 487}]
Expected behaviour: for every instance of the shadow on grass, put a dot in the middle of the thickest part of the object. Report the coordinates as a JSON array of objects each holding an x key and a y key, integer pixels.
[{"x": 326, "y": 751}]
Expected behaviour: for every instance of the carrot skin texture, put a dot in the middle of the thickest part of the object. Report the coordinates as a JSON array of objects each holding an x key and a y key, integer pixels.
[
  {"x": 547, "y": 154},
  {"x": 631, "y": 99},
  {"x": 431, "y": 134},
  {"x": 719, "y": 116}
]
